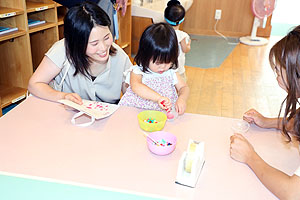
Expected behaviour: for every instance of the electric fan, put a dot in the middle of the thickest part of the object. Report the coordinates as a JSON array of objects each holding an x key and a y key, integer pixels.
[{"x": 261, "y": 9}]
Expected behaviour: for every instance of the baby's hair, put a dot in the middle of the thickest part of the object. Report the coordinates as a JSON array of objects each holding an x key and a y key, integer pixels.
[
  {"x": 285, "y": 55},
  {"x": 158, "y": 43},
  {"x": 174, "y": 13}
]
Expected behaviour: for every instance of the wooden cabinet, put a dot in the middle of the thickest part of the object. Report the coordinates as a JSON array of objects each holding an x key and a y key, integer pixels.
[
  {"x": 22, "y": 50},
  {"x": 139, "y": 24},
  {"x": 125, "y": 27},
  {"x": 15, "y": 53}
]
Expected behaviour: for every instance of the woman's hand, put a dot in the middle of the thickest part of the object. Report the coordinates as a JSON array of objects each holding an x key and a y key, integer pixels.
[
  {"x": 252, "y": 116},
  {"x": 180, "y": 106},
  {"x": 240, "y": 149},
  {"x": 73, "y": 97}
]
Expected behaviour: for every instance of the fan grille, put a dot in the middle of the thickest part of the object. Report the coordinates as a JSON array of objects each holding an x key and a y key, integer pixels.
[{"x": 262, "y": 8}]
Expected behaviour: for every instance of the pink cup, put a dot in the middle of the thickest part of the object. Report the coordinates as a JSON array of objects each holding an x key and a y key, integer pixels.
[{"x": 158, "y": 136}]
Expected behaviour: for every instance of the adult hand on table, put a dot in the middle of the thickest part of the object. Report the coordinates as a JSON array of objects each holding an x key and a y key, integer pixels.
[
  {"x": 240, "y": 149},
  {"x": 252, "y": 116},
  {"x": 74, "y": 97}
]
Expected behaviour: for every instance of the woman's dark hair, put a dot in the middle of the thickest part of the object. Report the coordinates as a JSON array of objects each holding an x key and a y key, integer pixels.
[
  {"x": 78, "y": 23},
  {"x": 158, "y": 43},
  {"x": 285, "y": 54},
  {"x": 174, "y": 12}
]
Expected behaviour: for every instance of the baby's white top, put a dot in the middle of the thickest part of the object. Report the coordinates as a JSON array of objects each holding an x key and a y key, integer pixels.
[{"x": 138, "y": 70}]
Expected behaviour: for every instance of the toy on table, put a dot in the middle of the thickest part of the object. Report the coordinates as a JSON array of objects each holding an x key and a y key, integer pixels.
[
  {"x": 160, "y": 142},
  {"x": 171, "y": 112},
  {"x": 164, "y": 144},
  {"x": 240, "y": 126},
  {"x": 149, "y": 120},
  {"x": 190, "y": 164},
  {"x": 152, "y": 120},
  {"x": 153, "y": 140},
  {"x": 94, "y": 109}
]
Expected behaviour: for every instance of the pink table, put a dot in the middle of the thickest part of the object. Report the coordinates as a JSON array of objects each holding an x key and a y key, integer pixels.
[{"x": 37, "y": 139}]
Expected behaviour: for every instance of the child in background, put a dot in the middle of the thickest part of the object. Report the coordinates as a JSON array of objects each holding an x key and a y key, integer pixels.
[
  {"x": 154, "y": 79},
  {"x": 284, "y": 58},
  {"x": 174, "y": 15}
]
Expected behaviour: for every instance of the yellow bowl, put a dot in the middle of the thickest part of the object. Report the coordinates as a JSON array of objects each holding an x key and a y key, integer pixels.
[{"x": 160, "y": 118}]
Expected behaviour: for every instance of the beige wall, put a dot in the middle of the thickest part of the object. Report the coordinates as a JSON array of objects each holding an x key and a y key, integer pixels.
[{"x": 236, "y": 20}]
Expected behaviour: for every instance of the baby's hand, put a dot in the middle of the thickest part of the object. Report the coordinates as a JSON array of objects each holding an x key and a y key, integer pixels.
[
  {"x": 252, "y": 116},
  {"x": 180, "y": 106},
  {"x": 165, "y": 103}
]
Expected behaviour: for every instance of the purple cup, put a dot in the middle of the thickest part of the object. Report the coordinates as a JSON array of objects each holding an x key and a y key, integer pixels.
[{"x": 158, "y": 136}]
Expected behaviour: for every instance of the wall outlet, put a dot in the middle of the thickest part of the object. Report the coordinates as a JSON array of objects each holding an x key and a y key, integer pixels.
[{"x": 218, "y": 14}]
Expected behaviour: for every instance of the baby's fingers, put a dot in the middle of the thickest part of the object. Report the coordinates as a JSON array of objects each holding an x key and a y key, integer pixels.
[{"x": 180, "y": 109}]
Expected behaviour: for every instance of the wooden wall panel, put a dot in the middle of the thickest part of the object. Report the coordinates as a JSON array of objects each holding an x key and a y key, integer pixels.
[
  {"x": 236, "y": 20},
  {"x": 139, "y": 24}
]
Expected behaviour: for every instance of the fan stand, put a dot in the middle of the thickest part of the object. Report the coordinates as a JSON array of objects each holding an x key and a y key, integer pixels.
[{"x": 253, "y": 40}]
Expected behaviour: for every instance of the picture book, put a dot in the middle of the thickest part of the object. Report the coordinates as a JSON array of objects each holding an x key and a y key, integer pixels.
[
  {"x": 4, "y": 30},
  {"x": 32, "y": 22},
  {"x": 95, "y": 109}
]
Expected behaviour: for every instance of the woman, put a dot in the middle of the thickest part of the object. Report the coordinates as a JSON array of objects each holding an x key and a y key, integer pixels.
[
  {"x": 85, "y": 64},
  {"x": 284, "y": 58},
  {"x": 106, "y": 5}
]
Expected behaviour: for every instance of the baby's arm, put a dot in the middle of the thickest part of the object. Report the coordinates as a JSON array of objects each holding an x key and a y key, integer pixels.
[
  {"x": 145, "y": 92},
  {"x": 185, "y": 46},
  {"x": 183, "y": 91}
]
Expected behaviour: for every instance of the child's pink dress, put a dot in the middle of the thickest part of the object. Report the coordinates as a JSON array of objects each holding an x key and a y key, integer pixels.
[{"x": 164, "y": 84}]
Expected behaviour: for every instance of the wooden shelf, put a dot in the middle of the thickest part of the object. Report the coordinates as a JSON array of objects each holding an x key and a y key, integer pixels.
[
  {"x": 9, "y": 12},
  {"x": 61, "y": 12},
  {"x": 10, "y": 94},
  {"x": 41, "y": 27},
  {"x": 12, "y": 35},
  {"x": 123, "y": 45},
  {"x": 34, "y": 7},
  {"x": 0, "y": 107},
  {"x": 124, "y": 40},
  {"x": 23, "y": 50},
  {"x": 60, "y": 20}
]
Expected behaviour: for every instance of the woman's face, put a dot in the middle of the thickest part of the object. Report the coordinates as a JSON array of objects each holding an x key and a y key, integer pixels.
[
  {"x": 99, "y": 43},
  {"x": 159, "y": 67}
]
